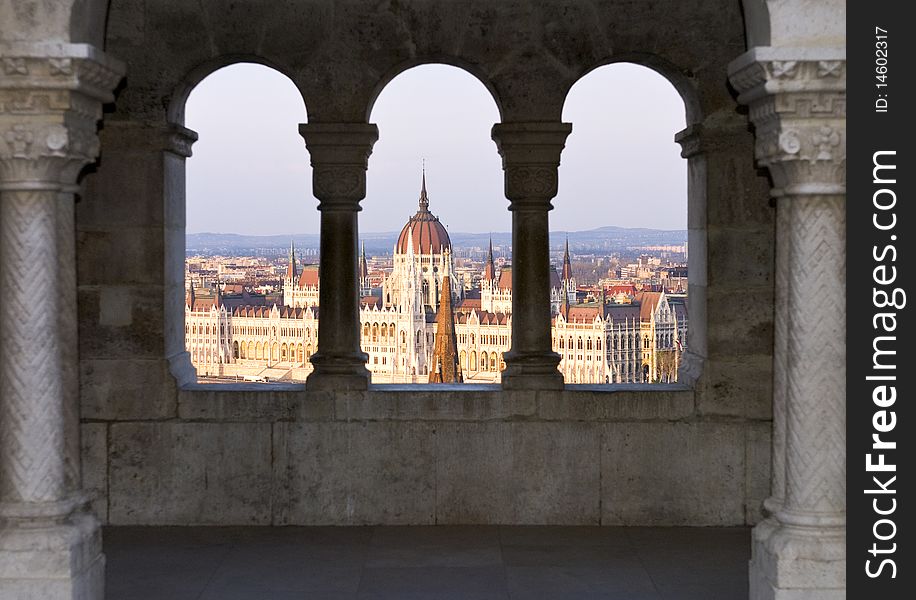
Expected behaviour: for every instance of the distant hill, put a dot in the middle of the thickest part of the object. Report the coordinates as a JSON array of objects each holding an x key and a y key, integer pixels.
[{"x": 609, "y": 238}]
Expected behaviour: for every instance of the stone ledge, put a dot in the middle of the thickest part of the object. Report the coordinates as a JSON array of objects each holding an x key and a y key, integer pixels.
[{"x": 291, "y": 402}]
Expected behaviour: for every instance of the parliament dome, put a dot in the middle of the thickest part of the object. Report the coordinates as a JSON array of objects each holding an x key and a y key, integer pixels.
[{"x": 429, "y": 235}]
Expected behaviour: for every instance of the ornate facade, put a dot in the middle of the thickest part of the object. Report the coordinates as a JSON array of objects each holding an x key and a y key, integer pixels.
[
  {"x": 110, "y": 346},
  {"x": 638, "y": 340}
]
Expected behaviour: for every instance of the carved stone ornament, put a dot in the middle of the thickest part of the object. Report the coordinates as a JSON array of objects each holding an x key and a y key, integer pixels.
[
  {"x": 339, "y": 182},
  {"x": 50, "y": 103},
  {"x": 798, "y": 108},
  {"x": 531, "y": 182}
]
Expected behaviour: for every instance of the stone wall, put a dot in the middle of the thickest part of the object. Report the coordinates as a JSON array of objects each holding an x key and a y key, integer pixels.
[
  {"x": 443, "y": 455},
  {"x": 161, "y": 450}
]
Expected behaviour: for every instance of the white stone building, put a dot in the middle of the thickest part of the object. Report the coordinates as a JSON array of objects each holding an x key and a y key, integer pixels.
[{"x": 634, "y": 342}]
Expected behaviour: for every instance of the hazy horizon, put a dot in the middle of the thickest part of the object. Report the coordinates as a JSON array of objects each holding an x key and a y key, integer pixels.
[
  {"x": 624, "y": 119},
  {"x": 397, "y": 231}
]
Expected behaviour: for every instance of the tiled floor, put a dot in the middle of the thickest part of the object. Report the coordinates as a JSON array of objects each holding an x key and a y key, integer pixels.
[{"x": 428, "y": 563}]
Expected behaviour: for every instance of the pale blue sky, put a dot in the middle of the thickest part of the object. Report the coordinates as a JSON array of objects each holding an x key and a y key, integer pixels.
[{"x": 250, "y": 171}]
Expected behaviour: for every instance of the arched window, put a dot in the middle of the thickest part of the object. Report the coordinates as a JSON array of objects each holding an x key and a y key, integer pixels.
[
  {"x": 630, "y": 135},
  {"x": 463, "y": 360},
  {"x": 384, "y": 332},
  {"x": 375, "y": 332},
  {"x": 234, "y": 109},
  {"x": 283, "y": 353},
  {"x": 484, "y": 361}
]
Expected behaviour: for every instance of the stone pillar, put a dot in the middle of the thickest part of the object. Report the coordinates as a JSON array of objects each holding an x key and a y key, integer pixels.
[
  {"x": 340, "y": 154},
  {"x": 52, "y": 95},
  {"x": 797, "y": 101},
  {"x": 531, "y": 157}
]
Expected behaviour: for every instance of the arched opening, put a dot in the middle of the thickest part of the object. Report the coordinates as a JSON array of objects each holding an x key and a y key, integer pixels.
[
  {"x": 619, "y": 237},
  {"x": 435, "y": 176},
  {"x": 246, "y": 116}
]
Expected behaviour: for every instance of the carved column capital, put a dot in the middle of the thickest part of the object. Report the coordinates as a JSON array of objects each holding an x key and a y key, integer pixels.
[
  {"x": 51, "y": 98},
  {"x": 531, "y": 157},
  {"x": 797, "y": 102},
  {"x": 340, "y": 156}
]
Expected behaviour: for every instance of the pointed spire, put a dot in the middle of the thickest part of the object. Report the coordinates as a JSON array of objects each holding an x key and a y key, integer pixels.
[
  {"x": 567, "y": 265},
  {"x": 291, "y": 271},
  {"x": 445, "y": 367},
  {"x": 424, "y": 199},
  {"x": 489, "y": 269}
]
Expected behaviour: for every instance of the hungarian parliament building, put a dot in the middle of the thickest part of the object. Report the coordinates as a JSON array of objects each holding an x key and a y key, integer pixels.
[{"x": 420, "y": 324}]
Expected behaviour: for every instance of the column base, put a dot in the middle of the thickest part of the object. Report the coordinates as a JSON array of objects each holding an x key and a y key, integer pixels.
[
  {"x": 797, "y": 563},
  {"x": 53, "y": 561},
  {"x": 532, "y": 372},
  {"x": 344, "y": 372}
]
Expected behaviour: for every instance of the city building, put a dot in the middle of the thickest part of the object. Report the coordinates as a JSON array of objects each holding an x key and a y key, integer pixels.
[
  {"x": 104, "y": 424},
  {"x": 638, "y": 340}
]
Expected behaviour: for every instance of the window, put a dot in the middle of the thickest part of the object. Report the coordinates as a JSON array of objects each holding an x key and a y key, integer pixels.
[
  {"x": 622, "y": 147},
  {"x": 235, "y": 109}
]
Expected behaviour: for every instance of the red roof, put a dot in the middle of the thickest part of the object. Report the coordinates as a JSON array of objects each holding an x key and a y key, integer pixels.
[
  {"x": 309, "y": 276},
  {"x": 582, "y": 314},
  {"x": 468, "y": 304},
  {"x": 647, "y": 303}
]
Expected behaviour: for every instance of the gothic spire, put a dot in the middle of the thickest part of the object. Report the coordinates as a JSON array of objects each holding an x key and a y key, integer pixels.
[
  {"x": 489, "y": 270},
  {"x": 445, "y": 367},
  {"x": 291, "y": 272},
  {"x": 567, "y": 265},
  {"x": 424, "y": 199}
]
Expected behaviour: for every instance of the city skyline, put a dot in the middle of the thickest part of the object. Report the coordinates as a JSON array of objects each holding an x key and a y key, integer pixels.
[{"x": 443, "y": 115}]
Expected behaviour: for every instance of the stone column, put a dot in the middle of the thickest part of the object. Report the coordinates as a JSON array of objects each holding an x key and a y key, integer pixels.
[
  {"x": 797, "y": 101},
  {"x": 340, "y": 154},
  {"x": 51, "y": 96},
  {"x": 531, "y": 157}
]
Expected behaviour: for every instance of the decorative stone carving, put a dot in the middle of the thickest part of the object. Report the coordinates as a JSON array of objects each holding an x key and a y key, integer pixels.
[
  {"x": 531, "y": 157},
  {"x": 798, "y": 108},
  {"x": 340, "y": 154},
  {"x": 50, "y": 101},
  {"x": 339, "y": 182},
  {"x": 531, "y": 182},
  {"x": 797, "y": 101},
  {"x": 49, "y": 108}
]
